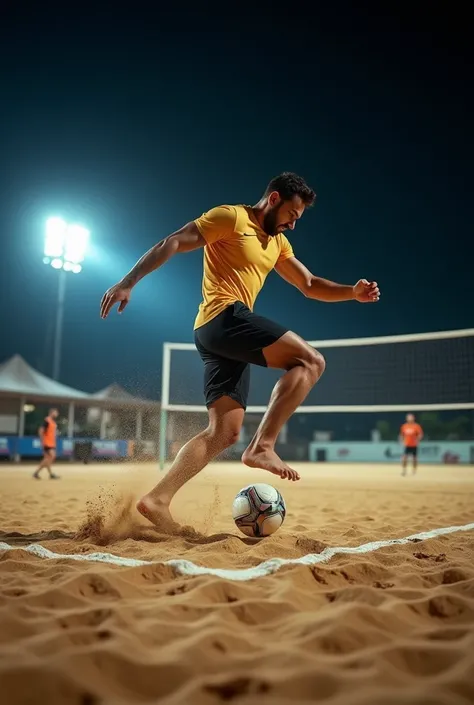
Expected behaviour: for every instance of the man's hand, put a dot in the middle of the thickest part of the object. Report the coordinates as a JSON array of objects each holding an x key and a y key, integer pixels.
[
  {"x": 118, "y": 294},
  {"x": 366, "y": 292}
]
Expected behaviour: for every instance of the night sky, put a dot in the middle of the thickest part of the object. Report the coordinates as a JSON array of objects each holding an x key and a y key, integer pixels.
[{"x": 136, "y": 121}]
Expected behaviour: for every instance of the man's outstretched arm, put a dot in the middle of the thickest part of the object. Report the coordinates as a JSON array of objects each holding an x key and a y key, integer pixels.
[
  {"x": 294, "y": 272},
  {"x": 185, "y": 240}
]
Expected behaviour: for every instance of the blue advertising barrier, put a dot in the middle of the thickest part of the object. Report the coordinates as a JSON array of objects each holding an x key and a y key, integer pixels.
[
  {"x": 30, "y": 447},
  {"x": 442, "y": 452},
  {"x": 109, "y": 449},
  {"x": 7, "y": 446},
  {"x": 100, "y": 449}
]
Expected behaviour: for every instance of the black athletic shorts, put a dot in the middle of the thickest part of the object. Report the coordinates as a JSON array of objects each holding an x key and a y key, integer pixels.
[
  {"x": 48, "y": 448},
  {"x": 227, "y": 345},
  {"x": 411, "y": 450}
]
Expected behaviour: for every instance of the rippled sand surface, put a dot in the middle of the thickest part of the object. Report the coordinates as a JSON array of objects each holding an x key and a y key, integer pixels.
[{"x": 390, "y": 626}]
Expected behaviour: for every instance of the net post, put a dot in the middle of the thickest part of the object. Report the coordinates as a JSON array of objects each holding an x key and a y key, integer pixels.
[
  {"x": 163, "y": 429},
  {"x": 165, "y": 399}
]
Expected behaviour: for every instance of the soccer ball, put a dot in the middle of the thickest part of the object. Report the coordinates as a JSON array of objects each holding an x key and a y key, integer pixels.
[{"x": 258, "y": 510}]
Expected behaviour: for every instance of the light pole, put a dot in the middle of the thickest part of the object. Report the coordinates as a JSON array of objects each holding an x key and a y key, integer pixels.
[{"x": 65, "y": 247}]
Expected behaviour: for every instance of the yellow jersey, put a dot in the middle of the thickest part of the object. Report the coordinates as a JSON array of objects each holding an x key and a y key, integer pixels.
[{"x": 238, "y": 256}]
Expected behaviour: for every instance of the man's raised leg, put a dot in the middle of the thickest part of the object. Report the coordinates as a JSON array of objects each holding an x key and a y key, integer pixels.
[
  {"x": 225, "y": 421},
  {"x": 304, "y": 366}
]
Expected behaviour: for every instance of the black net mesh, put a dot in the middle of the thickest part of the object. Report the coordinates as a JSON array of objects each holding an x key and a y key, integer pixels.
[{"x": 439, "y": 371}]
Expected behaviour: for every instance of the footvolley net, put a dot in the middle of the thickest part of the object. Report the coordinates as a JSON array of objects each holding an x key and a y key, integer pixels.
[{"x": 397, "y": 373}]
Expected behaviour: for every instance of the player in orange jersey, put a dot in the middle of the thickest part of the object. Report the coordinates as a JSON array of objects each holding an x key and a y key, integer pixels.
[
  {"x": 411, "y": 434},
  {"x": 47, "y": 433}
]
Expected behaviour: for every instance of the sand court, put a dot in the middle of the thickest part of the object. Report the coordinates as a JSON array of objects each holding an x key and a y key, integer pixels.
[{"x": 392, "y": 625}]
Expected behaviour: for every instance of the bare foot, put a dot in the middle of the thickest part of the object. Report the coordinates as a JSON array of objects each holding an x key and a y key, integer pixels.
[
  {"x": 158, "y": 513},
  {"x": 268, "y": 460}
]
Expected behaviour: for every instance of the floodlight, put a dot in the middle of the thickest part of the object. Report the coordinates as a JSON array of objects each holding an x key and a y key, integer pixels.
[
  {"x": 65, "y": 247},
  {"x": 77, "y": 239},
  {"x": 56, "y": 230}
]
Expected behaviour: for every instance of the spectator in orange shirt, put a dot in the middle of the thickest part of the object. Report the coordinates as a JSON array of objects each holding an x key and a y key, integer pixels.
[
  {"x": 411, "y": 434},
  {"x": 47, "y": 433}
]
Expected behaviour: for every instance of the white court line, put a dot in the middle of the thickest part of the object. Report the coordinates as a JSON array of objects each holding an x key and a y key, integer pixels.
[{"x": 184, "y": 567}]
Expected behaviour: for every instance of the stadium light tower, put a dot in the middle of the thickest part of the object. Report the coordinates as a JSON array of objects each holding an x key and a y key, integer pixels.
[{"x": 65, "y": 247}]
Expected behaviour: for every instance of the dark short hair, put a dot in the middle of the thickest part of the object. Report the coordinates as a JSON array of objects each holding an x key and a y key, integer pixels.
[{"x": 288, "y": 185}]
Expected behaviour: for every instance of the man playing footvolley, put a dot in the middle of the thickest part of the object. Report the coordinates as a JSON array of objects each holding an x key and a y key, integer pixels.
[{"x": 242, "y": 244}]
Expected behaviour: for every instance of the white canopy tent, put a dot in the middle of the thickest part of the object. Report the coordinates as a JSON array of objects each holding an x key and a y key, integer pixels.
[
  {"x": 20, "y": 381},
  {"x": 115, "y": 396},
  {"x": 17, "y": 377},
  {"x": 116, "y": 393}
]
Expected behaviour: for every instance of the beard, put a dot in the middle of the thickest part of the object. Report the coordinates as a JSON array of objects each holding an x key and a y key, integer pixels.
[{"x": 270, "y": 222}]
